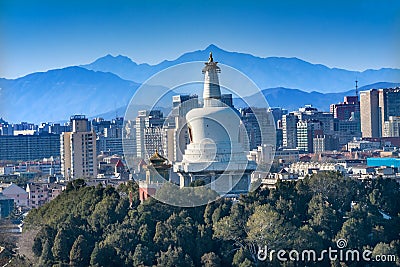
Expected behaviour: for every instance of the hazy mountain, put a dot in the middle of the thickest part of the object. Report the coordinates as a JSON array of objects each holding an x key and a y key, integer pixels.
[
  {"x": 292, "y": 99},
  {"x": 57, "y": 94},
  {"x": 270, "y": 72}
]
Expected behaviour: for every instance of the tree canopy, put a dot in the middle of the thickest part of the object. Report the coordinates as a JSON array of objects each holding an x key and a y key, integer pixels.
[{"x": 96, "y": 226}]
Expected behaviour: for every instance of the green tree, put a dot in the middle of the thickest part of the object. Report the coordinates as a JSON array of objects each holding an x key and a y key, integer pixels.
[
  {"x": 323, "y": 216},
  {"x": 46, "y": 258},
  {"x": 142, "y": 256},
  {"x": 46, "y": 233},
  {"x": 174, "y": 257},
  {"x": 267, "y": 227},
  {"x": 179, "y": 230},
  {"x": 242, "y": 258},
  {"x": 104, "y": 213},
  {"x": 37, "y": 246},
  {"x": 62, "y": 245},
  {"x": 210, "y": 260},
  {"x": 334, "y": 188},
  {"x": 356, "y": 232},
  {"x": 383, "y": 193},
  {"x": 80, "y": 252},
  {"x": 104, "y": 255}
]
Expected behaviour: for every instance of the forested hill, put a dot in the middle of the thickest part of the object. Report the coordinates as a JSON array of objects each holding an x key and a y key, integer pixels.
[{"x": 94, "y": 226}]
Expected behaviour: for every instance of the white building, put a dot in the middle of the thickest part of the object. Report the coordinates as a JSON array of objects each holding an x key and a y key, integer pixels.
[
  {"x": 391, "y": 127},
  {"x": 214, "y": 153},
  {"x": 358, "y": 144},
  {"x": 264, "y": 154},
  {"x": 78, "y": 150},
  {"x": 308, "y": 168},
  {"x": 41, "y": 193},
  {"x": 15, "y": 192}
]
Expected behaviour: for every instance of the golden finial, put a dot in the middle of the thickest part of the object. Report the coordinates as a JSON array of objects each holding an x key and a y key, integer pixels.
[{"x": 210, "y": 59}]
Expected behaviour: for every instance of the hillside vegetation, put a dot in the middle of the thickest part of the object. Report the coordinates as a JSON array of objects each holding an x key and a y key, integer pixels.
[{"x": 94, "y": 226}]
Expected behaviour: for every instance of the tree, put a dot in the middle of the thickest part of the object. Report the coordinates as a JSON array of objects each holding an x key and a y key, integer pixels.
[
  {"x": 241, "y": 258},
  {"x": 210, "y": 260},
  {"x": 334, "y": 188},
  {"x": 383, "y": 193},
  {"x": 142, "y": 256},
  {"x": 104, "y": 255},
  {"x": 46, "y": 233},
  {"x": 104, "y": 213},
  {"x": 80, "y": 252},
  {"x": 356, "y": 232},
  {"x": 267, "y": 227},
  {"x": 37, "y": 246},
  {"x": 62, "y": 245},
  {"x": 323, "y": 216},
  {"x": 177, "y": 229},
  {"x": 46, "y": 258},
  {"x": 174, "y": 257}
]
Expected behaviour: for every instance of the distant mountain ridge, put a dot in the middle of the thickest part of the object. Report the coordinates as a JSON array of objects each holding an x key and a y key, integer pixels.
[
  {"x": 56, "y": 94},
  {"x": 267, "y": 72}
]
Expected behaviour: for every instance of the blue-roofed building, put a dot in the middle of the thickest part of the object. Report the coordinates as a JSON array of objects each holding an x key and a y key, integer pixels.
[{"x": 388, "y": 162}]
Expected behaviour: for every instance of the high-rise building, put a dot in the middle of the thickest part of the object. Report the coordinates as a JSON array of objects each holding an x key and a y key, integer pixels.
[
  {"x": 182, "y": 104},
  {"x": 392, "y": 127},
  {"x": 369, "y": 113},
  {"x": 227, "y": 100},
  {"x": 343, "y": 111},
  {"x": 289, "y": 130},
  {"x": 56, "y": 128},
  {"x": 149, "y": 132},
  {"x": 278, "y": 113},
  {"x": 29, "y": 147},
  {"x": 389, "y": 104},
  {"x": 176, "y": 135},
  {"x": 78, "y": 150},
  {"x": 346, "y": 130},
  {"x": 5, "y": 128},
  {"x": 250, "y": 132},
  {"x": 257, "y": 128},
  {"x": 322, "y": 143},
  {"x": 376, "y": 106},
  {"x": 109, "y": 137},
  {"x": 347, "y": 119},
  {"x": 306, "y": 130},
  {"x": 305, "y": 115},
  {"x": 310, "y": 113}
]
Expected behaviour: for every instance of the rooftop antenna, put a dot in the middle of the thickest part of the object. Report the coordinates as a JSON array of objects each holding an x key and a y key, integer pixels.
[{"x": 356, "y": 87}]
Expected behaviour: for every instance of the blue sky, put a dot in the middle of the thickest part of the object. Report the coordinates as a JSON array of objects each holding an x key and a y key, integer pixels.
[{"x": 37, "y": 35}]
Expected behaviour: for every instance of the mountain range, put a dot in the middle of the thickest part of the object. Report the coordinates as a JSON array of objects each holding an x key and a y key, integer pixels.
[
  {"x": 106, "y": 86},
  {"x": 267, "y": 72}
]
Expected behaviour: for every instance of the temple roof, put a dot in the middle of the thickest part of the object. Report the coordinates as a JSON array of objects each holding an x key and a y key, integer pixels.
[{"x": 157, "y": 158}]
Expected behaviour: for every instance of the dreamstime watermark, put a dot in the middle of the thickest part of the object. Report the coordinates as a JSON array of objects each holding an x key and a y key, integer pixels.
[{"x": 340, "y": 253}]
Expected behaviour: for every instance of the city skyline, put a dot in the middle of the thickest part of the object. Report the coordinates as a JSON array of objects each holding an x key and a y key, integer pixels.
[{"x": 46, "y": 35}]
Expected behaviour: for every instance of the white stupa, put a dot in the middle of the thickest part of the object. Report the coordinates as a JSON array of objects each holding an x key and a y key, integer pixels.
[{"x": 214, "y": 153}]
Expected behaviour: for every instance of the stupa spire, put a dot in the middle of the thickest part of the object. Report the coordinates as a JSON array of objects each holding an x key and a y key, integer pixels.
[{"x": 211, "y": 89}]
